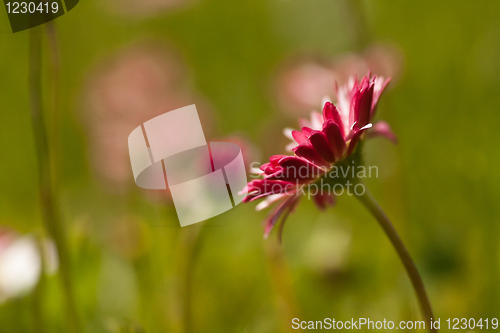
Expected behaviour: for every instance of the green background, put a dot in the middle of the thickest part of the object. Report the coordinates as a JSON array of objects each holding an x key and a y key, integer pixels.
[{"x": 442, "y": 190}]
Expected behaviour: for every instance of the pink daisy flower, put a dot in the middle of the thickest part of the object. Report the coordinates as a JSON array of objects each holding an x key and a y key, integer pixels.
[{"x": 325, "y": 140}]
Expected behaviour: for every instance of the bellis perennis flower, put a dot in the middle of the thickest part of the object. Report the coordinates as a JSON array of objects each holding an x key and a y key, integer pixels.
[{"x": 324, "y": 141}]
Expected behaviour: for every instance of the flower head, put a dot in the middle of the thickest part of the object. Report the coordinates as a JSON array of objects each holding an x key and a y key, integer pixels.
[{"x": 325, "y": 140}]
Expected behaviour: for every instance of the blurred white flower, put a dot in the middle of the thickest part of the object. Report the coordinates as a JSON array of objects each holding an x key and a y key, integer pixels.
[{"x": 21, "y": 264}]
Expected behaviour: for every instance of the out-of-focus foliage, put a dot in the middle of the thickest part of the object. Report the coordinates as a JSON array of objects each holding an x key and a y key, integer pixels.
[{"x": 130, "y": 259}]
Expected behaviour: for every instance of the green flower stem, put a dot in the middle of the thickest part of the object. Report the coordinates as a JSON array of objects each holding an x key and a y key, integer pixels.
[
  {"x": 51, "y": 219},
  {"x": 55, "y": 100},
  {"x": 189, "y": 243},
  {"x": 362, "y": 34},
  {"x": 371, "y": 204},
  {"x": 40, "y": 290}
]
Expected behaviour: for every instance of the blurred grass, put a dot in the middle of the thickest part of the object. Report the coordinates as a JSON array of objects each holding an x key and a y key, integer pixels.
[{"x": 440, "y": 187}]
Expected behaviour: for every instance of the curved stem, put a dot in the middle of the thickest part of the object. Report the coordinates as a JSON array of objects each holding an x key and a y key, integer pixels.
[{"x": 371, "y": 204}]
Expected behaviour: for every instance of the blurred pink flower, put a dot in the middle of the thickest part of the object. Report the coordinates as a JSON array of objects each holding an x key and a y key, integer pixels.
[
  {"x": 302, "y": 84},
  {"x": 249, "y": 151},
  {"x": 323, "y": 141},
  {"x": 144, "y": 8},
  {"x": 131, "y": 87}
]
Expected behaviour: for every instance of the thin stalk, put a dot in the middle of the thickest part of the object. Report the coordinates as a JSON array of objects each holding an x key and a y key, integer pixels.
[
  {"x": 188, "y": 246},
  {"x": 50, "y": 214},
  {"x": 371, "y": 204},
  {"x": 55, "y": 100},
  {"x": 191, "y": 241},
  {"x": 359, "y": 24},
  {"x": 40, "y": 289}
]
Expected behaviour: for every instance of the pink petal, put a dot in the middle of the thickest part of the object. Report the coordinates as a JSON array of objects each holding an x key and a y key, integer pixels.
[
  {"x": 380, "y": 86},
  {"x": 383, "y": 129},
  {"x": 276, "y": 158},
  {"x": 269, "y": 168},
  {"x": 363, "y": 105},
  {"x": 365, "y": 82},
  {"x": 324, "y": 200},
  {"x": 354, "y": 101},
  {"x": 299, "y": 137},
  {"x": 316, "y": 120},
  {"x": 273, "y": 165},
  {"x": 321, "y": 145},
  {"x": 291, "y": 145},
  {"x": 330, "y": 112},
  {"x": 269, "y": 201},
  {"x": 273, "y": 217},
  {"x": 304, "y": 123},
  {"x": 259, "y": 188},
  {"x": 309, "y": 153},
  {"x": 295, "y": 169},
  {"x": 307, "y": 131},
  {"x": 335, "y": 139},
  {"x": 291, "y": 208},
  {"x": 294, "y": 161}
]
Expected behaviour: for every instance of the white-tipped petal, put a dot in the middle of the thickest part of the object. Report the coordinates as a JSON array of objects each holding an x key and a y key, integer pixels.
[
  {"x": 256, "y": 171},
  {"x": 268, "y": 201},
  {"x": 291, "y": 145},
  {"x": 288, "y": 132},
  {"x": 367, "y": 126},
  {"x": 325, "y": 100},
  {"x": 316, "y": 120}
]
